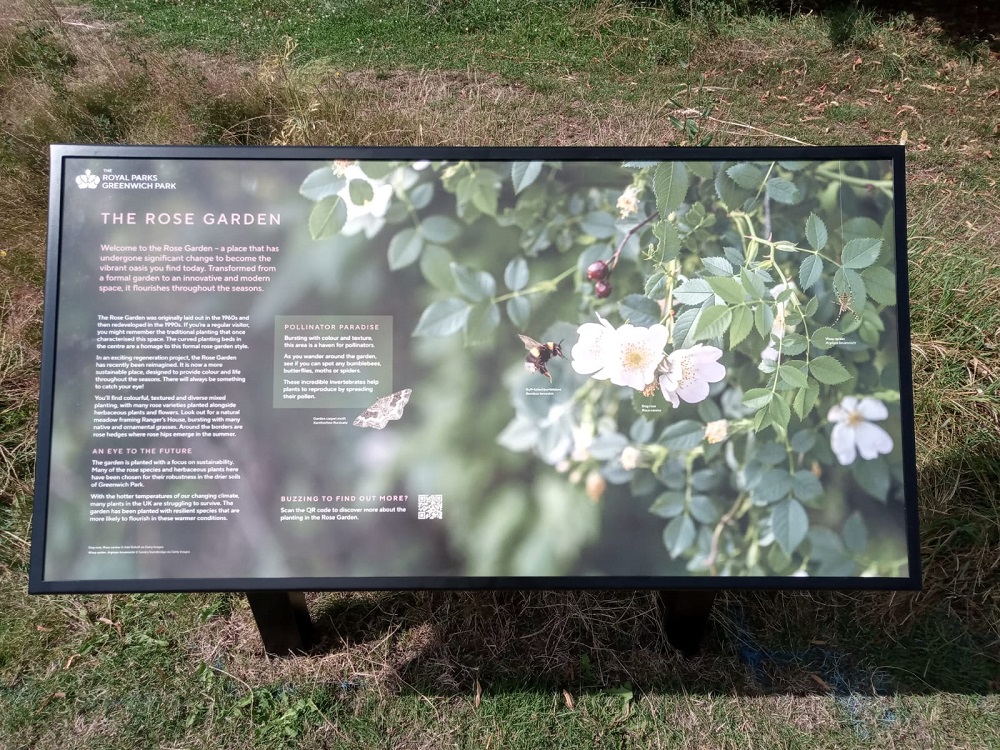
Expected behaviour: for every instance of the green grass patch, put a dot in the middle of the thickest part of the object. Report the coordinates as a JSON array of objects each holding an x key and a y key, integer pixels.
[{"x": 544, "y": 669}]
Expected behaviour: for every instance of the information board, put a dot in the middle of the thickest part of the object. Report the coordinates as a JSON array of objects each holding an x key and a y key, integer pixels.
[{"x": 350, "y": 368}]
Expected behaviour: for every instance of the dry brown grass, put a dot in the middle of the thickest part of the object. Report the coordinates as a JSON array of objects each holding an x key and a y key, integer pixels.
[{"x": 454, "y": 644}]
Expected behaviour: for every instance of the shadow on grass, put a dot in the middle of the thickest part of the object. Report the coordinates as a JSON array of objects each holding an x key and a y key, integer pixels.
[
  {"x": 795, "y": 643},
  {"x": 965, "y": 25},
  {"x": 941, "y": 640}
]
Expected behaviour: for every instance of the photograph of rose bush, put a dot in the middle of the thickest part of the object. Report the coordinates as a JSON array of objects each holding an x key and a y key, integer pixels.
[{"x": 703, "y": 354}]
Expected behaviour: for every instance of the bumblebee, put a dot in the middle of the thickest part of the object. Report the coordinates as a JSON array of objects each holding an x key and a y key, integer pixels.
[{"x": 539, "y": 354}]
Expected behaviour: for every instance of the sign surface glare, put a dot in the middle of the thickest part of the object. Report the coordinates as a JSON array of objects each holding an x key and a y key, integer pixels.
[{"x": 362, "y": 368}]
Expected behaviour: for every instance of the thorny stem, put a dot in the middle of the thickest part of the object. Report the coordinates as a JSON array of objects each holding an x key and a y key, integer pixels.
[
  {"x": 628, "y": 234},
  {"x": 719, "y": 528}
]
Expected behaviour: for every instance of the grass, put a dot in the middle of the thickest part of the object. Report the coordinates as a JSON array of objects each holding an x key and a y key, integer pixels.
[{"x": 539, "y": 669}]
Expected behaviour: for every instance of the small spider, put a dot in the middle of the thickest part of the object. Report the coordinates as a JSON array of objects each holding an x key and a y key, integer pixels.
[{"x": 844, "y": 301}]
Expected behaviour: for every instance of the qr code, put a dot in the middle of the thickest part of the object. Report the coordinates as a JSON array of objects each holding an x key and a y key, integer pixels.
[{"x": 430, "y": 506}]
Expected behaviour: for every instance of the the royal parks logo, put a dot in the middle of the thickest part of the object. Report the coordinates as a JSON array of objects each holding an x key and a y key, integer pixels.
[
  {"x": 88, "y": 181},
  {"x": 110, "y": 180}
]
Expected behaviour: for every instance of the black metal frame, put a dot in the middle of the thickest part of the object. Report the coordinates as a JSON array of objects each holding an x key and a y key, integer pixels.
[{"x": 690, "y": 610}]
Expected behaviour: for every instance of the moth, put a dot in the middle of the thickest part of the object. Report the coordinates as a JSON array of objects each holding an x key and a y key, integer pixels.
[{"x": 385, "y": 410}]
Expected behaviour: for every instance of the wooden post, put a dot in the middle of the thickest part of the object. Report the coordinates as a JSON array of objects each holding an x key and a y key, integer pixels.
[
  {"x": 283, "y": 621},
  {"x": 685, "y": 618}
]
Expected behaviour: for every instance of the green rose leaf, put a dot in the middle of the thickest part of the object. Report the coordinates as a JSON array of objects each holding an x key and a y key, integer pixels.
[
  {"x": 327, "y": 217},
  {"x": 741, "y": 326},
  {"x": 519, "y": 311},
  {"x": 793, "y": 376},
  {"x": 781, "y": 190},
  {"x": 827, "y": 370},
  {"x": 656, "y": 285},
  {"x": 694, "y": 292},
  {"x": 806, "y": 486},
  {"x": 826, "y": 338},
  {"x": 861, "y": 253},
  {"x": 702, "y": 169},
  {"x": 476, "y": 285},
  {"x": 873, "y": 478},
  {"x": 747, "y": 176},
  {"x": 670, "y": 240},
  {"x": 483, "y": 321},
  {"x": 435, "y": 265},
  {"x": 639, "y": 310},
  {"x": 763, "y": 319},
  {"x": 523, "y": 173},
  {"x": 712, "y": 322},
  {"x": 515, "y": 275},
  {"x": 790, "y": 524},
  {"x": 855, "y": 534},
  {"x": 599, "y": 224},
  {"x": 683, "y": 435},
  {"x": 679, "y": 337},
  {"x": 793, "y": 344},
  {"x": 794, "y": 166},
  {"x": 779, "y": 412},
  {"x": 704, "y": 510},
  {"x": 360, "y": 191},
  {"x": 753, "y": 283},
  {"x": 642, "y": 430},
  {"x": 805, "y": 399},
  {"x": 810, "y": 271},
  {"x": 729, "y": 192},
  {"x": 772, "y": 486},
  {"x": 668, "y": 505},
  {"x": 670, "y": 183},
  {"x": 880, "y": 283},
  {"x": 718, "y": 266},
  {"x": 520, "y": 435},
  {"x": 405, "y": 249},
  {"x": 730, "y": 289},
  {"x": 376, "y": 169},
  {"x": 816, "y": 233},
  {"x": 443, "y": 318},
  {"x": 321, "y": 183},
  {"x": 757, "y": 398},
  {"x": 484, "y": 191},
  {"x": 439, "y": 229},
  {"x": 679, "y": 535},
  {"x": 422, "y": 195}
]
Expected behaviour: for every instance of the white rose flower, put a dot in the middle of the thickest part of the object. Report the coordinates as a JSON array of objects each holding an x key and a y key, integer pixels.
[
  {"x": 853, "y": 432},
  {"x": 591, "y": 354},
  {"x": 687, "y": 373},
  {"x": 637, "y": 354}
]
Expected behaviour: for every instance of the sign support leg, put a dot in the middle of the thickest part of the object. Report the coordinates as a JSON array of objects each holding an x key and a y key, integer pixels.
[
  {"x": 685, "y": 616},
  {"x": 283, "y": 621}
]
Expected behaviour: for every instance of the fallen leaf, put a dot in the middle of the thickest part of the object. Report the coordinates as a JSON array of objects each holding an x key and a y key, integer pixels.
[
  {"x": 47, "y": 699},
  {"x": 479, "y": 694},
  {"x": 43, "y": 629},
  {"x": 820, "y": 681},
  {"x": 70, "y": 660},
  {"x": 569, "y": 700}
]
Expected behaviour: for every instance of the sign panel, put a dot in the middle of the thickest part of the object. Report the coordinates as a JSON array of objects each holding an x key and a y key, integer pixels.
[{"x": 369, "y": 368}]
